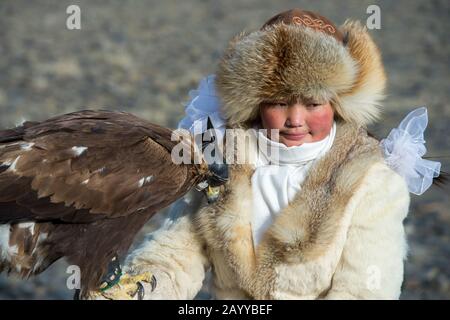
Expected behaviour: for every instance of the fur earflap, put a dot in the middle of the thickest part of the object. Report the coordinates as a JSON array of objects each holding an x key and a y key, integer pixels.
[
  {"x": 286, "y": 62},
  {"x": 361, "y": 104}
]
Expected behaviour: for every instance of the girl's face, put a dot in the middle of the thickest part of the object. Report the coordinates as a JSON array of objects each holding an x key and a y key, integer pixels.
[{"x": 301, "y": 122}]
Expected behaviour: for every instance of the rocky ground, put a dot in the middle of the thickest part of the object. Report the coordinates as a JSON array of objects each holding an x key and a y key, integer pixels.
[{"x": 145, "y": 56}]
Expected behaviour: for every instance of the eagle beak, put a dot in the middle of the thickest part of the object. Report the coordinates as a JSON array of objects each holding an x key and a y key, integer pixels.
[
  {"x": 209, "y": 136},
  {"x": 212, "y": 194}
]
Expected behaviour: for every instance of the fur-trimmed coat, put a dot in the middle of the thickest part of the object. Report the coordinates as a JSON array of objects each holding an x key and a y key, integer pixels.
[{"x": 342, "y": 236}]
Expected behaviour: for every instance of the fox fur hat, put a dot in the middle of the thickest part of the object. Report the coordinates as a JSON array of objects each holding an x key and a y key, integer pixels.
[{"x": 300, "y": 54}]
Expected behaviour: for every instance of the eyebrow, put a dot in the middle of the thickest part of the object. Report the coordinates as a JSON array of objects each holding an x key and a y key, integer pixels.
[
  {"x": 292, "y": 100},
  {"x": 311, "y": 100}
]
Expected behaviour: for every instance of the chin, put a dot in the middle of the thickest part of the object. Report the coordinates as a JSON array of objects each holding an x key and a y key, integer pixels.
[{"x": 293, "y": 143}]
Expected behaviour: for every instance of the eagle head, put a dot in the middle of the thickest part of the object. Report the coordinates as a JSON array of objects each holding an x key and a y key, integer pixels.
[{"x": 217, "y": 174}]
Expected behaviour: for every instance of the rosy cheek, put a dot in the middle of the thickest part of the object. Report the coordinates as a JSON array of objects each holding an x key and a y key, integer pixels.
[
  {"x": 320, "y": 124},
  {"x": 273, "y": 118}
]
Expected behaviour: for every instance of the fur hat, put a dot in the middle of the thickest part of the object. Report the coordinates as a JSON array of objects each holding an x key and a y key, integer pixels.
[{"x": 300, "y": 54}]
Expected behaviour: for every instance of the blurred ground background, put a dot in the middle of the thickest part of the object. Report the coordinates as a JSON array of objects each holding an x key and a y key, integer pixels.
[{"x": 145, "y": 56}]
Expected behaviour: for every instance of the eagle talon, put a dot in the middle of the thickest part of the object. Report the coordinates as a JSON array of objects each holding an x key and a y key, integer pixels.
[
  {"x": 153, "y": 282},
  {"x": 140, "y": 291}
]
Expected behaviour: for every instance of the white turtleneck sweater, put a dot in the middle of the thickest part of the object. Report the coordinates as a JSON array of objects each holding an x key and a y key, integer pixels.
[{"x": 275, "y": 185}]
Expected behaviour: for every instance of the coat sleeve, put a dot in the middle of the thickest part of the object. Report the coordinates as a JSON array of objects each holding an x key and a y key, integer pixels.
[
  {"x": 371, "y": 264},
  {"x": 174, "y": 254}
]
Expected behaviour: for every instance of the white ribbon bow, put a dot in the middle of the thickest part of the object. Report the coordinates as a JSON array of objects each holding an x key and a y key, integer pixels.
[{"x": 403, "y": 150}]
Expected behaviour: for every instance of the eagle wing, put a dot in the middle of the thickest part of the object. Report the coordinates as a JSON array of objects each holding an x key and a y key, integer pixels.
[
  {"x": 81, "y": 185},
  {"x": 108, "y": 163}
]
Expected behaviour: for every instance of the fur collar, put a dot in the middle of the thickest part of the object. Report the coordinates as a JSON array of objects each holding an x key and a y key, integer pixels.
[{"x": 304, "y": 229}]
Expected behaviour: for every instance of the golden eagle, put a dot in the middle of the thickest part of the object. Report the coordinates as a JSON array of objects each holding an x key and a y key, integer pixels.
[{"x": 82, "y": 185}]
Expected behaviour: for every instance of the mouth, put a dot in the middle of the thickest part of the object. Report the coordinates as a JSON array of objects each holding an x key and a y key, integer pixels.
[{"x": 295, "y": 136}]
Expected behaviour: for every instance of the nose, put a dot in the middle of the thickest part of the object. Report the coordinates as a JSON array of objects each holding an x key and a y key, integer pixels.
[{"x": 296, "y": 115}]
